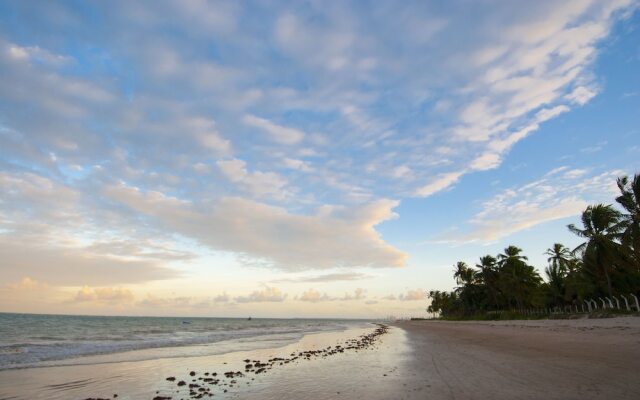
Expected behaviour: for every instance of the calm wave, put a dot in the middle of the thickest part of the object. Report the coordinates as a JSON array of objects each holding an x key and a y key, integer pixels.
[{"x": 28, "y": 340}]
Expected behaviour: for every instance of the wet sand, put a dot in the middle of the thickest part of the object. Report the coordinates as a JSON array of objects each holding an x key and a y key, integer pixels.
[
  {"x": 546, "y": 359},
  {"x": 375, "y": 370}
]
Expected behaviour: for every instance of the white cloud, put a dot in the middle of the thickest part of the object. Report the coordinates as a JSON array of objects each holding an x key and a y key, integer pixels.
[
  {"x": 201, "y": 168},
  {"x": 278, "y": 133},
  {"x": 183, "y": 302},
  {"x": 358, "y": 294},
  {"x": 222, "y": 298},
  {"x": 582, "y": 94},
  {"x": 335, "y": 236},
  {"x": 205, "y": 131},
  {"x": 28, "y": 284},
  {"x": 549, "y": 113},
  {"x": 37, "y": 54},
  {"x": 268, "y": 294},
  {"x": 314, "y": 296},
  {"x": 106, "y": 295},
  {"x": 486, "y": 161},
  {"x": 401, "y": 171},
  {"x": 555, "y": 196},
  {"x": 257, "y": 183},
  {"x": 333, "y": 277},
  {"x": 45, "y": 235},
  {"x": 296, "y": 164},
  {"x": 575, "y": 173},
  {"x": 442, "y": 182},
  {"x": 413, "y": 295},
  {"x": 595, "y": 148}
]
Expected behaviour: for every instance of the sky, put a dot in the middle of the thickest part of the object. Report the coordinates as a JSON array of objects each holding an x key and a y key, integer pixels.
[{"x": 299, "y": 159}]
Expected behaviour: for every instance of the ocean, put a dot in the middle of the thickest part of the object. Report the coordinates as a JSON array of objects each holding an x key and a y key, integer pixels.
[{"x": 29, "y": 340}]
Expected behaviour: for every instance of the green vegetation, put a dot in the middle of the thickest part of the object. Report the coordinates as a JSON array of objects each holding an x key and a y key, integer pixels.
[{"x": 606, "y": 264}]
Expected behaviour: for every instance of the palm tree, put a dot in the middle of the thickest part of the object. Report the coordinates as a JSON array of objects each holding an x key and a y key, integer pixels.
[
  {"x": 556, "y": 279},
  {"x": 602, "y": 226},
  {"x": 486, "y": 266},
  {"x": 488, "y": 275},
  {"x": 629, "y": 199},
  {"x": 518, "y": 280},
  {"x": 511, "y": 253},
  {"x": 559, "y": 257},
  {"x": 463, "y": 274}
]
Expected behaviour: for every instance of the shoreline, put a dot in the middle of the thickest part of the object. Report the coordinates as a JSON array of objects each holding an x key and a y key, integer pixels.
[
  {"x": 114, "y": 339},
  {"x": 521, "y": 359},
  {"x": 317, "y": 357}
]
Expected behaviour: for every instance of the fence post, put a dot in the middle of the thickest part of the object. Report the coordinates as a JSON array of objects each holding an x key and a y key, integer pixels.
[
  {"x": 588, "y": 305},
  {"x": 637, "y": 305},
  {"x": 626, "y": 302},
  {"x": 603, "y": 305},
  {"x": 610, "y": 303},
  {"x": 617, "y": 302}
]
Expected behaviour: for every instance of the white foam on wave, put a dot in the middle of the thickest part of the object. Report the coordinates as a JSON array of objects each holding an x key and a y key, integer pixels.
[{"x": 134, "y": 342}]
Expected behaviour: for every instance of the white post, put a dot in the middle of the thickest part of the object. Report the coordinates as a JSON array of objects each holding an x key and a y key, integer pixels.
[
  {"x": 617, "y": 302},
  {"x": 637, "y": 304},
  {"x": 603, "y": 305},
  {"x": 595, "y": 305},
  {"x": 610, "y": 303},
  {"x": 588, "y": 305},
  {"x": 626, "y": 302}
]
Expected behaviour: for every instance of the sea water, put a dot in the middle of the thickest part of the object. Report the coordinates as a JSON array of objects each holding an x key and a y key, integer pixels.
[{"x": 29, "y": 340}]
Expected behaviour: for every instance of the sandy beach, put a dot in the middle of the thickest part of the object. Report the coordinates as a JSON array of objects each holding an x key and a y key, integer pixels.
[
  {"x": 545, "y": 359},
  {"x": 550, "y": 359}
]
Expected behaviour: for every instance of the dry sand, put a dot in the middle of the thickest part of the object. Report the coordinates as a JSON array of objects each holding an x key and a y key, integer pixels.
[{"x": 546, "y": 359}]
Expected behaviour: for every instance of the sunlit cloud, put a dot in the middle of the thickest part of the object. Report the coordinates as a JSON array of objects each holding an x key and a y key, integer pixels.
[
  {"x": 561, "y": 193},
  {"x": 106, "y": 295},
  {"x": 332, "y": 237},
  {"x": 413, "y": 295},
  {"x": 333, "y": 277},
  {"x": 267, "y": 294}
]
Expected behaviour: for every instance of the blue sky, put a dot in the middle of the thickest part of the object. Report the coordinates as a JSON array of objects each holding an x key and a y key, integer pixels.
[{"x": 299, "y": 158}]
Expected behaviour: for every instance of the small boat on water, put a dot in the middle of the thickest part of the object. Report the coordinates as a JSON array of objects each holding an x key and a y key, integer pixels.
[
  {"x": 249, "y": 319},
  {"x": 186, "y": 322}
]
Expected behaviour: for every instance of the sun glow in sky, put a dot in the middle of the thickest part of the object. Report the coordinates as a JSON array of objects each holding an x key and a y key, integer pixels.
[{"x": 299, "y": 158}]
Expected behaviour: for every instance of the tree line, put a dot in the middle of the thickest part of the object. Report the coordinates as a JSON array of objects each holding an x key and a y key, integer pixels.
[{"x": 607, "y": 263}]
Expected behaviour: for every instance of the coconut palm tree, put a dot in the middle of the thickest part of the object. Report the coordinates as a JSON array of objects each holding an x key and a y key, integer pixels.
[
  {"x": 517, "y": 280},
  {"x": 559, "y": 257},
  {"x": 556, "y": 279},
  {"x": 488, "y": 276},
  {"x": 511, "y": 253},
  {"x": 629, "y": 199},
  {"x": 602, "y": 226},
  {"x": 463, "y": 274}
]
